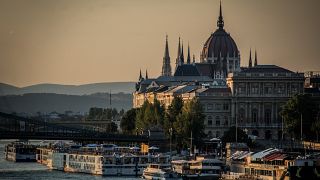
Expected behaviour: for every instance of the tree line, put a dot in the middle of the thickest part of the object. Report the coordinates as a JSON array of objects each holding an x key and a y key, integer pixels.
[
  {"x": 178, "y": 120},
  {"x": 301, "y": 109}
]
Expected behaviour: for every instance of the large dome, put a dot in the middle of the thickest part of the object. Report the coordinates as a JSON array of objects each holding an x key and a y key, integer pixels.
[{"x": 220, "y": 42}]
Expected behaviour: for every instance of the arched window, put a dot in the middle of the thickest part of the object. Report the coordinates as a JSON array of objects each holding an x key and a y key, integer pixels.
[
  {"x": 209, "y": 120},
  {"x": 267, "y": 116},
  {"x": 241, "y": 114},
  {"x": 255, "y": 133},
  {"x": 218, "y": 134},
  {"x": 217, "y": 120},
  {"x": 226, "y": 122},
  {"x": 254, "y": 115},
  {"x": 268, "y": 134},
  {"x": 280, "y": 135}
]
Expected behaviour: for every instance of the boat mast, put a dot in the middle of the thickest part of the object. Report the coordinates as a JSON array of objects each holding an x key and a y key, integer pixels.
[{"x": 191, "y": 144}]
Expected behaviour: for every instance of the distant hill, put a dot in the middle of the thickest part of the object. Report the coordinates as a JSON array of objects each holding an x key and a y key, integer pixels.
[
  {"x": 115, "y": 87},
  {"x": 49, "y": 102}
]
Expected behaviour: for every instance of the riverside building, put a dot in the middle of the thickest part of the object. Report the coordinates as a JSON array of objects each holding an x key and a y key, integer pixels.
[{"x": 249, "y": 97}]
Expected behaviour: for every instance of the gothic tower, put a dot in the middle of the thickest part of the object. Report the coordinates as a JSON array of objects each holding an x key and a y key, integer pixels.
[
  {"x": 188, "y": 56},
  {"x": 178, "y": 60},
  {"x": 166, "y": 67},
  {"x": 255, "y": 58},
  {"x": 250, "y": 60},
  {"x": 182, "y": 55}
]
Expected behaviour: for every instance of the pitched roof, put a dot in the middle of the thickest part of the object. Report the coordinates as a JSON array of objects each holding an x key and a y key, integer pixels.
[
  {"x": 186, "y": 70},
  {"x": 266, "y": 69},
  {"x": 214, "y": 90}
]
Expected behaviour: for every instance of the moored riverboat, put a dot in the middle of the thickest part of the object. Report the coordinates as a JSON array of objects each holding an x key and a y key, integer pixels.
[
  {"x": 201, "y": 168},
  {"x": 158, "y": 172},
  {"x": 20, "y": 152}
]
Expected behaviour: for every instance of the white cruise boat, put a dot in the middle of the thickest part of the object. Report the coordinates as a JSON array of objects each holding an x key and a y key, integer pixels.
[
  {"x": 158, "y": 172},
  {"x": 110, "y": 163},
  {"x": 85, "y": 163},
  {"x": 201, "y": 168},
  {"x": 58, "y": 161},
  {"x": 131, "y": 164},
  {"x": 20, "y": 152}
]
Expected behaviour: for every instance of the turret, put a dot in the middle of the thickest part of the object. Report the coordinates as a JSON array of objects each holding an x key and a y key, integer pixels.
[
  {"x": 179, "y": 54},
  {"x": 182, "y": 55},
  {"x": 188, "y": 56},
  {"x": 255, "y": 58},
  {"x": 220, "y": 22},
  {"x": 140, "y": 76},
  {"x": 147, "y": 74},
  {"x": 250, "y": 60}
]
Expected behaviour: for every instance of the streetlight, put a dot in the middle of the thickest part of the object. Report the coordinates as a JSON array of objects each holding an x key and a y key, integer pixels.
[
  {"x": 170, "y": 131},
  {"x": 301, "y": 127},
  {"x": 149, "y": 133},
  {"x": 246, "y": 131},
  {"x": 282, "y": 128},
  {"x": 235, "y": 112}
]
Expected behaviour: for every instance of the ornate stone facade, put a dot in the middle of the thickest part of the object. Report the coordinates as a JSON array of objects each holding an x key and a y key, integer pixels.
[
  {"x": 248, "y": 97},
  {"x": 257, "y": 96}
]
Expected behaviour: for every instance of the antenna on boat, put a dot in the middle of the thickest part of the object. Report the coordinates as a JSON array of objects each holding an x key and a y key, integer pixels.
[{"x": 110, "y": 99}]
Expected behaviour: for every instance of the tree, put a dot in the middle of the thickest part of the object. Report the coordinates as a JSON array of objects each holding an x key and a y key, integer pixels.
[
  {"x": 300, "y": 106},
  {"x": 121, "y": 113},
  {"x": 191, "y": 119},
  {"x": 230, "y": 136},
  {"x": 316, "y": 126},
  {"x": 150, "y": 115},
  {"x": 173, "y": 111},
  {"x": 112, "y": 127},
  {"x": 128, "y": 121},
  {"x": 102, "y": 114}
]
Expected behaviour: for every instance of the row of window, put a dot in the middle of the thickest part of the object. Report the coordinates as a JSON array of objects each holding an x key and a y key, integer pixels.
[
  {"x": 216, "y": 134},
  {"x": 267, "y": 89},
  {"x": 254, "y": 115},
  {"x": 218, "y": 106},
  {"x": 218, "y": 121}
]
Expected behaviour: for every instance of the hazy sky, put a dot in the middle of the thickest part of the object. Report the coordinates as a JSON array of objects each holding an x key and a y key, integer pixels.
[{"x": 88, "y": 41}]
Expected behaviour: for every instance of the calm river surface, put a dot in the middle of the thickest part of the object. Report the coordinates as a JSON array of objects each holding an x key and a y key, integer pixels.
[{"x": 11, "y": 170}]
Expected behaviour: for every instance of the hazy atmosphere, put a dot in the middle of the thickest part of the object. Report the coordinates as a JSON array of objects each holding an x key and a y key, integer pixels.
[{"x": 87, "y": 41}]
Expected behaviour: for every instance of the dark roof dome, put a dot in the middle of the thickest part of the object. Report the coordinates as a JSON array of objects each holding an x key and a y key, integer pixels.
[{"x": 220, "y": 42}]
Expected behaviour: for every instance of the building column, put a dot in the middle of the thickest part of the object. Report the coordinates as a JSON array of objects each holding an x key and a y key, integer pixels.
[{"x": 233, "y": 104}]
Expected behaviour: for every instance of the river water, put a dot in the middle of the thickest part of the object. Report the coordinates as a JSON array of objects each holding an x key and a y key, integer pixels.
[{"x": 31, "y": 170}]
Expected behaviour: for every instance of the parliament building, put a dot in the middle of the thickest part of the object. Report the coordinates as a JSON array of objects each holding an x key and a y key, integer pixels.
[{"x": 247, "y": 97}]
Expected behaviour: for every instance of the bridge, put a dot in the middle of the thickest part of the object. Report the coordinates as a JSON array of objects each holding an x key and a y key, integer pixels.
[{"x": 16, "y": 127}]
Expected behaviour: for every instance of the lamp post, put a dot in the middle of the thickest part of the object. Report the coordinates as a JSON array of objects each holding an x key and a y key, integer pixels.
[
  {"x": 282, "y": 128},
  {"x": 149, "y": 133},
  {"x": 191, "y": 144},
  {"x": 170, "y": 131},
  {"x": 301, "y": 127},
  {"x": 235, "y": 112}
]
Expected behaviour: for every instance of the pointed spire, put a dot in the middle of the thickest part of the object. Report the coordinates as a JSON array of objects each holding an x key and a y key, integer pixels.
[
  {"x": 250, "y": 60},
  {"x": 182, "y": 54},
  {"x": 166, "y": 51},
  {"x": 194, "y": 59},
  {"x": 220, "y": 22},
  {"x": 188, "y": 56},
  {"x": 179, "y": 53},
  {"x": 147, "y": 74},
  {"x": 140, "y": 76},
  {"x": 166, "y": 66},
  {"x": 255, "y": 58}
]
